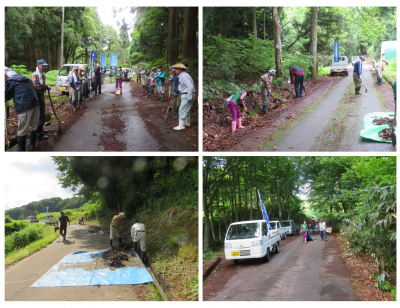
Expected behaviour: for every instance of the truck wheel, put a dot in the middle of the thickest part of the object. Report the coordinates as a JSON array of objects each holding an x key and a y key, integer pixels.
[
  {"x": 266, "y": 258},
  {"x": 236, "y": 261},
  {"x": 284, "y": 236},
  {"x": 332, "y": 74},
  {"x": 277, "y": 248},
  {"x": 347, "y": 74}
]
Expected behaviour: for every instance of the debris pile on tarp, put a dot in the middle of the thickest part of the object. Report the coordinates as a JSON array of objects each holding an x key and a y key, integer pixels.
[
  {"x": 114, "y": 258},
  {"x": 374, "y": 130}
]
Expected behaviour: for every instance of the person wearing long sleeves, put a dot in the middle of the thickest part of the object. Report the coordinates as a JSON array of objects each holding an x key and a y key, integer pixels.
[
  {"x": 379, "y": 68},
  {"x": 63, "y": 225},
  {"x": 138, "y": 234},
  {"x": 26, "y": 106},
  {"x": 266, "y": 88},
  {"x": 357, "y": 72},
  {"x": 297, "y": 80},
  {"x": 152, "y": 81},
  {"x": 143, "y": 77},
  {"x": 74, "y": 83},
  {"x": 115, "y": 225},
  {"x": 97, "y": 79},
  {"x": 187, "y": 90},
  {"x": 237, "y": 101},
  {"x": 322, "y": 230},
  {"x": 160, "y": 78},
  {"x": 176, "y": 96}
]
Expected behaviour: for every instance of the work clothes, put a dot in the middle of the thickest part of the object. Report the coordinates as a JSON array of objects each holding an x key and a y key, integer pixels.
[
  {"x": 357, "y": 68},
  {"x": 175, "y": 79},
  {"x": 185, "y": 106},
  {"x": 152, "y": 81},
  {"x": 323, "y": 234},
  {"x": 28, "y": 120},
  {"x": 322, "y": 226},
  {"x": 97, "y": 79},
  {"x": 236, "y": 98},
  {"x": 143, "y": 77},
  {"x": 297, "y": 77},
  {"x": 138, "y": 234},
  {"x": 160, "y": 79},
  {"x": 39, "y": 81},
  {"x": 20, "y": 89},
  {"x": 394, "y": 89},
  {"x": 378, "y": 71},
  {"x": 265, "y": 97},
  {"x": 357, "y": 80},
  {"x": 63, "y": 220},
  {"x": 63, "y": 231},
  {"x": 117, "y": 221},
  {"x": 114, "y": 233},
  {"x": 235, "y": 112},
  {"x": 186, "y": 85}
]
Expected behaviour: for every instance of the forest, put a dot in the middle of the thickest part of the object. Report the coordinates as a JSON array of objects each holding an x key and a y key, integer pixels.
[
  {"x": 240, "y": 42},
  {"x": 55, "y": 204},
  {"x": 354, "y": 195},
  {"x": 158, "y": 35}
]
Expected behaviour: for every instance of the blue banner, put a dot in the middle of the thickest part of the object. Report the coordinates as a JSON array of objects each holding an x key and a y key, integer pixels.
[
  {"x": 264, "y": 211},
  {"x": 47, "y": 210},
  {"x": 113, "y": 67},
  {"x": 336, "y": 52},
  {"x": 103, "y": 63},
  {"x": 92, "y": 59}
]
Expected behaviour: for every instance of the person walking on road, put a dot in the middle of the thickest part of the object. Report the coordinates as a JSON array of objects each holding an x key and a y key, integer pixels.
[
  {"x": 63, "y": 225},
  {"x": 26, "y": 106},
  {"x": 322, "y": 230},
  {"x": 39, "y": 83},
  {"x": 313, "y": 224},
  {"x": 266, "y": 88},
  {"x": 237, "y": 101},
  {"x": 160, "y": 78},
  {"x": 114, "y": 228},
  {"x": 97, "y": 79},
  {"x": 74, "y": 83},
  {"x": 357, "y": 75},
  {"x": 304, "y": 230},
  {"x": 297, "y": 79},
  {"x": 138, "y": 234}
]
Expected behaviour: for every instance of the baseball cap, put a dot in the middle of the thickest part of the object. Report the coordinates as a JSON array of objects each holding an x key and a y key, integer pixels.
[{"x": 41, "y": 62}]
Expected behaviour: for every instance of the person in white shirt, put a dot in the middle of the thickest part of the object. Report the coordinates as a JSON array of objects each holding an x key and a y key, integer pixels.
[
  {"x": 138, "y": 234},
  {"x": 322, "y": 229}
]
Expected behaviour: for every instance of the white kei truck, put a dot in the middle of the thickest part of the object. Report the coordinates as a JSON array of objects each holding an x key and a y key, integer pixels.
[
  {"x": 250, "y": 240},
  {"x": 50, "y": 220},
  {"x": 340, "y": 67},
  {"x": 277, "y": 229},
  {"x": 289, "y": 227}
]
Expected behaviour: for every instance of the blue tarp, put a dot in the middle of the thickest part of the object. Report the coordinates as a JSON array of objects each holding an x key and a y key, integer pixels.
[{"x": 79, "y": 269}]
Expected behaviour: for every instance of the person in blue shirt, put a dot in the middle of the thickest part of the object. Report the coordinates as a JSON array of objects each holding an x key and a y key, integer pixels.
[
  {"x": 160, "y": 78},
  {"x": 357, "y": 75},
  {"x": 75, "y": 84}
]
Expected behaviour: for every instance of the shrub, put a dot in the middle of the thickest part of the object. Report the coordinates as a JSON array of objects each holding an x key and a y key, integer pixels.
[
  {"x": 22, "y": 238},
  {"x": 14, "y": 226}
]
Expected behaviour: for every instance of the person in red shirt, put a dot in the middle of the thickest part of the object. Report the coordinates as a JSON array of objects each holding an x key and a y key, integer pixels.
[
  {"x": 63, "y": 224},
  {"x": 313, "y": 223}
]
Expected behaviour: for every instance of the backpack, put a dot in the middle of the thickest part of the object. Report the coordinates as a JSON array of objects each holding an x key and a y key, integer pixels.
[{"x": 227, "y": 101}]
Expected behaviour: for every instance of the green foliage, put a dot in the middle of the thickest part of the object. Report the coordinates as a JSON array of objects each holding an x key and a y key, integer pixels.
[
  {"x": 14, "y": 226},
  {"x": 7, "y": 219},
  {"x": 20, "y": 239},
  {"x": 209, "y": 254},
  {"x": 21, "y": 217}
]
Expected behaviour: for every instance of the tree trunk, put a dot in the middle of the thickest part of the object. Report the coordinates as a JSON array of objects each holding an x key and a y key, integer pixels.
[
  {"x": 58, "y": 48},
  {"x": 190, "y": 38},
  {"x": 29, "y": 50},
  {"x": 313, "y": 42},
  {"x": 279, "y": 202},
  {"x": 287, "y": 205},
  {"x": 264, "y": 22},
  {"x": 212, "y": 220},
  {"x": 323, "y": 57},
  {"x": 206, "y": 240},
  {"x": 223, "y": 208},
  {"x": 48, "y": 59},
  {"x": 255, "y": 22},
  {"x": 219, "y": 218},
  {"x": 86, "y": 56},
  {"x": 240, "y": 195},
  {"x": 172, "y": 51},
  {"x": 277, "y": 42}
]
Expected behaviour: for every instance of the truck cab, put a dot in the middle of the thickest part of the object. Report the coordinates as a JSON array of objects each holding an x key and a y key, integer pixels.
[
  {"x": 33, "y": 219},
  {"x": 250, "y": 240},
  {"x": 62, "y": 80},
  {"x": 289, "y": 227},
  {"x": 50, "y": 220},
  {"x": 340, "y": 67},
  {"x": 276, "y": 229}
]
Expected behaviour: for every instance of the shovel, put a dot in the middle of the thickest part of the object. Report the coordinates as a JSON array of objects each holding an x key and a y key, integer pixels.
[
  {"x": 59, "y": 122},
  {"x": 169, "y": 99}
]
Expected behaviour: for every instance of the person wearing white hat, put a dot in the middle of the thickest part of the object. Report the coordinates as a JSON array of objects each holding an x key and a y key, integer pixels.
[
  {"x": 187, "y": 90},
  {"x": 266, "y": 88},
  {"x": 26, "y": 106}
]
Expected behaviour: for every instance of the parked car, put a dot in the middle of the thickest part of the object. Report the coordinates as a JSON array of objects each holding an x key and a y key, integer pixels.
[
  {"x": 289, "y": 227},
  {"x": 130, "y": 73},
  {"x": 340, "y": 67},
  {"x": 33, "y": 219},
  {"x": 107, "y": 71},
  {"x": 50, "y": 220},
  {"x": 62, "y": 81},
  {"x": 354, "y": 59},
  {"x": 250, "y": 240},
  {"x": 276, "y": 229}
]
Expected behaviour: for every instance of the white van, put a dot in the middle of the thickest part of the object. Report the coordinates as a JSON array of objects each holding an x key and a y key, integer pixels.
[
  {"x": 249, "y": 240},
  {"x": 276, "y": 229}
]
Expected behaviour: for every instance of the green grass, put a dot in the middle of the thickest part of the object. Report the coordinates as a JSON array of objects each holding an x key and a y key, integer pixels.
[
  {"x": 324, "y": 70},
  {"x": 48, "y": 237},
  {"x": 154, "y": 295},
  {"x": 390, "y": 73}
]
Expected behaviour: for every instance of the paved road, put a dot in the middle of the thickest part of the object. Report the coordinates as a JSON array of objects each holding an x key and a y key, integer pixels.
[
  {"x": 335, "y": 123},
  {"x": 19, "y": 277},
  {"x": 85, "y": 134},
  {"x": 311, "y": 271}
]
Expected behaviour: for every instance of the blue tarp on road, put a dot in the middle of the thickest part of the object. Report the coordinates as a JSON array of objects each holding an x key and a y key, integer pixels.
[{"x": 79, "y": 269}]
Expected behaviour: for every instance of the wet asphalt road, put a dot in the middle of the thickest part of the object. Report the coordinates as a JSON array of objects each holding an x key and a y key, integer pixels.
[
  {"x": 23, "y": 274},
  {"x": 85, "y": 134},
  {"x": 311, "y": 271},
  {"x": 311, "y": 132}
]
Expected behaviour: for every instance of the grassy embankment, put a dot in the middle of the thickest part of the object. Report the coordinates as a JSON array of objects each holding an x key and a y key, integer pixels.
[{"x": 390, "y": 72}]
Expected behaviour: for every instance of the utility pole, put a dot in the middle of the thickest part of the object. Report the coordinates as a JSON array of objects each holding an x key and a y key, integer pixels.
[{"x": 62, "y": 39}]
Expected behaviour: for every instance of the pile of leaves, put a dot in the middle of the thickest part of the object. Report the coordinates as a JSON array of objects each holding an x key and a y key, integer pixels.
[
  {"x": 382, "y": 121},
  {"x": 115, "y": 258},
  {"x": 384, "y": 134}
]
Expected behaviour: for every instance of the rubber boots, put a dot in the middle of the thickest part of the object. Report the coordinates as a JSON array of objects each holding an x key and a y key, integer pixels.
[
  {"x": 162, "y": 96},
  {"x": 135, "y": 247},
  {"x": 181, "y": 125},
  {"x": 176, "y": 115},
  {"x": 187, "y": 122},
  {"x": 111, "y": 246},
  {"x": 240, "y": 123},
  {"x": 143, "y": 257},
  {"x": 32, "y": 140},
  {"x": 21, "y": 144},
  {"x": 159, "y": 96},
  {"x": 8, "y": 112},
  {"x": 120, "y": 242},
  {"x": 380, "y": 81},
  {"x": 41, "y": 134},
  {"x": 358, "y": 91},
  {"x": 73, "y": 105},
  {"x": 297, "y": 94},
  {"x": 265, "y": 108},
  {"x": 301, "y": 93},
  {"x": 233, "y": 126}
]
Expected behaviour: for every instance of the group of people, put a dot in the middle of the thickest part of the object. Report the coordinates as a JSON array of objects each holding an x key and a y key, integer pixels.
[
  {"x": 29, "y": 104},
  {"x": 237, "y": 100},
  {"x": 181, "y": 89},
  {"x": 313, "y": 224}
]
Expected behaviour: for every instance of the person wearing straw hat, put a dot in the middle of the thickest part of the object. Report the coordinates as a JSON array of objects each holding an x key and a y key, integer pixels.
[
  {"x": 266, "y": 88},
  {"x": 322, "y": 229},
  {"x": 187, "y": 90},
  {"x": 74, "y": 83},
  {"x": 39, "y": 83},
  {"x": 115, "y": 225},
  {"x": 26, "y": 106}
]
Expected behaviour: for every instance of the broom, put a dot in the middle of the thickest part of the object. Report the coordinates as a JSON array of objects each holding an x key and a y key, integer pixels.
[{"x": 59, "y": 122}]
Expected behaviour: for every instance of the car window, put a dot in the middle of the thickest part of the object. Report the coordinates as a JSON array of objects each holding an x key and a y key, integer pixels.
[{"x": 64, "y": 70}]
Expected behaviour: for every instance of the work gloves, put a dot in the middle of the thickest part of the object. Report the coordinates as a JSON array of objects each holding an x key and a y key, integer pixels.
[
  {"x": 174, "y": 94},
  {"x": 190, "y": 100},
  {"x": 77, "y": 88},
  {"x": 358, "y": 75},
  {"x": 79, "y": 81}
]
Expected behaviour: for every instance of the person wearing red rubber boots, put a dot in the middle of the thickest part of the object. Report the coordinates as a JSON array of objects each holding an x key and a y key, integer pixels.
[{"x": 237, "y": 101}]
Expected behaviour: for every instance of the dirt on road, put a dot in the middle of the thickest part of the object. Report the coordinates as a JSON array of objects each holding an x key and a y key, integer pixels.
[
  {"x": 21, "y": 275},
  {"x": 312, "y": 271}
]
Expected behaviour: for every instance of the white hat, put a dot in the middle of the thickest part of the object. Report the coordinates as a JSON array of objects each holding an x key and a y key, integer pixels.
[{"x": 9, "y": 72}]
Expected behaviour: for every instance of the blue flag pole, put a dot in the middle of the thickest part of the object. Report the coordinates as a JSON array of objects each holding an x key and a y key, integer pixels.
[
  {"x": 47, "y": 210},
  {"x": 264, "y": 211}
]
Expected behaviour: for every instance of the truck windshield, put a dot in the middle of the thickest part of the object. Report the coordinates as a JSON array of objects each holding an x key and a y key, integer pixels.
[
  {"x": 64, "y": 70},
  {"x": 285, "y": 223},
  {"x": 273, "y": 225},
  {"x": 242, "y": 231}
]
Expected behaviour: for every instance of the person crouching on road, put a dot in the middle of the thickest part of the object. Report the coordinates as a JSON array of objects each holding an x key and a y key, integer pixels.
[
  {"x": 39, "y": 83},
  {"x": 266, "y": 88},
  {"x": 114, "y": 228},
  {"x": 187, "y": 90},
  {"x": 74, "y": 83},
  {"x": 237, "y": 101},
  {"x": 152, "y": 81},
  {"x": 304, "y": 230},
  {"x": 379, "y": 68},
  {"x": 357, "y": 75},
  {"x": 63, "y": 225},
  {"x": 97, "y": 79},
  {"x": 148, "y": 81},
  {"x": 26, "y": 106},
  {"x": 138, "y": 234},
  {"x": 297, "y": 80},
  {"x": 160, "y": 79},
  {"x": 322, "y": 229},
  {"x": 119, "y": 80}
]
